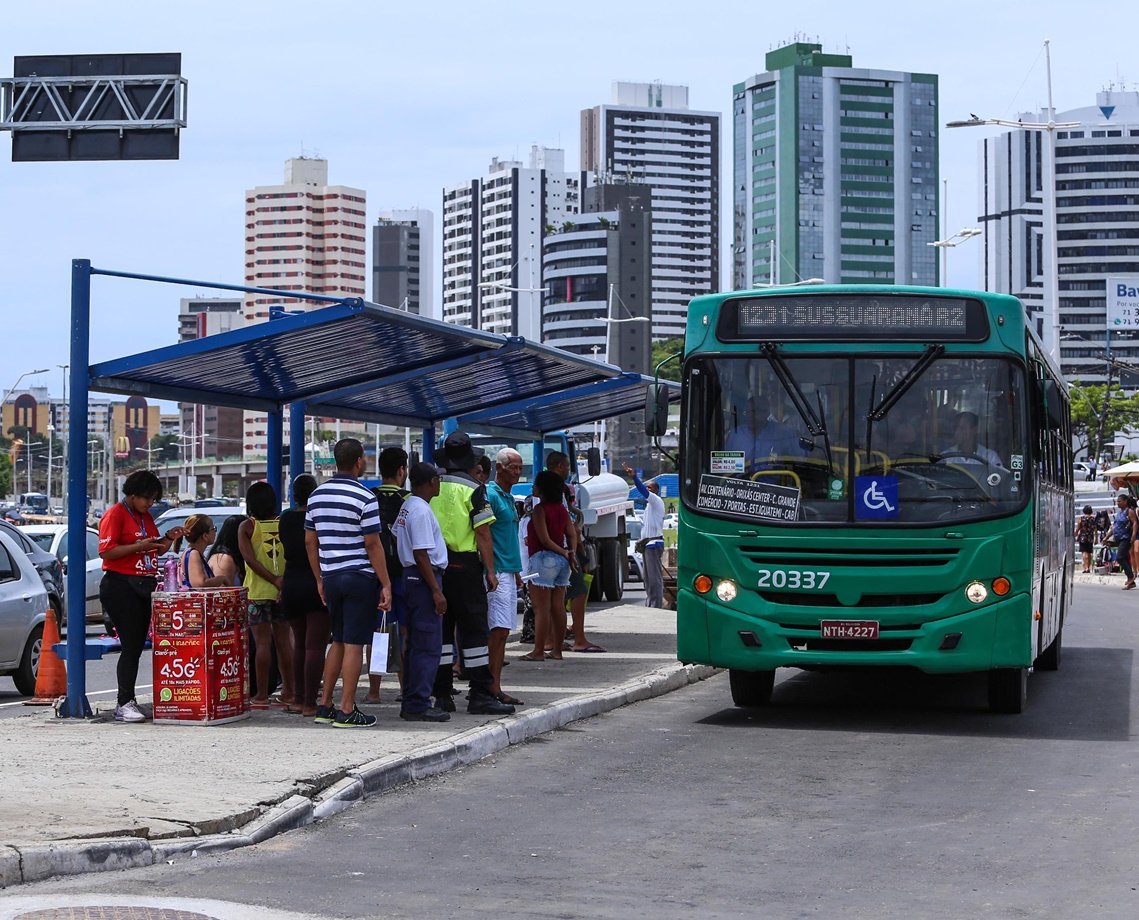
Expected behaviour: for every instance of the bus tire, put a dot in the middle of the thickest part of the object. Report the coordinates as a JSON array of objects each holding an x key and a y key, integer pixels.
[
  {"x": 1008, "y": 689},
  {"x": 751, "y": 689},
  {"x": 612, "y": 570},
  {"x": 1049, "y": 659}
]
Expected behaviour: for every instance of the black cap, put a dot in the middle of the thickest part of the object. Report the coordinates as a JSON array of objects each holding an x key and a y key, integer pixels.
[
  {"x": 458, "y": 452},
  {"x": 421, "y": 474}
]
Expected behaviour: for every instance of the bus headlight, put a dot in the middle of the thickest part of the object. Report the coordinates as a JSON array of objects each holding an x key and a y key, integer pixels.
[
  {"x": 702, "y": 584},
  {"x": 726, "y": 591},
  {"x": 976, "y": 592}
]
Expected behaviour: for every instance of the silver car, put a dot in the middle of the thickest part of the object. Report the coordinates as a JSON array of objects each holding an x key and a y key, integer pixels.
[
  {"x": 53, "y": 538},
  {"x": 23, "y": 609}
]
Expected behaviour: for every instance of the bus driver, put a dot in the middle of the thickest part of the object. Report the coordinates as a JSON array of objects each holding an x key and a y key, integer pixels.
[{"x": 966, "y": 449}]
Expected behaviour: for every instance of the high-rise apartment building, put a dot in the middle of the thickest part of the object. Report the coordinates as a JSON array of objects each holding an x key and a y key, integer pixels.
[
  {"x": 211, "y": 432},
  {"x": 403, "y": 264},
  {"x": 492, "y": 241},
  {"x": 306, "y": 236},
  {"x": 647, "y": 135},
  {"x": 1097, "y": 225},
  {"x": 597, "y": 272},
  {"x": 834, "y": 172}
]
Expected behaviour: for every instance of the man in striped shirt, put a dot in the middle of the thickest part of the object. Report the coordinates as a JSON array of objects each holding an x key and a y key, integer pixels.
[{"x": 342, "y": 537}]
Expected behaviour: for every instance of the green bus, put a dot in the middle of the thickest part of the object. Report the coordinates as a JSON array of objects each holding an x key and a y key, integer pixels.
[{"x": 872, "y": 476}]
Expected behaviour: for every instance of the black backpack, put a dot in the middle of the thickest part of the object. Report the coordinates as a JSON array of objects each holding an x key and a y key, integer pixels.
[{"x": 391, "y": 500}]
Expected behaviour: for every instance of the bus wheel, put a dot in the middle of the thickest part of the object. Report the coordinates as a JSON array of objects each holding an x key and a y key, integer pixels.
[
  {"x": 1049, "y": 659},
  {"x": 751, "y": 688},
  {"x": 1008, "y": 689}
]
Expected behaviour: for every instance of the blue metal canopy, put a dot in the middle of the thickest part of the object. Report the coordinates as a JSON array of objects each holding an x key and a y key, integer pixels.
[
  {"x": 354, "y": 360},
  {"x": 569, "y": 407}
]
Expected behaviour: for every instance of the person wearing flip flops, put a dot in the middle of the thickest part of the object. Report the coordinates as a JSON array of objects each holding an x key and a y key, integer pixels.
[
  {"x": 1123, "y": 529},
  {"x": 551, "y": 541}
]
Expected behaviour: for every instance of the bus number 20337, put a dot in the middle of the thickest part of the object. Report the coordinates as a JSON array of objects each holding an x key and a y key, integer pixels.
[{"x": 792, "y": 578}]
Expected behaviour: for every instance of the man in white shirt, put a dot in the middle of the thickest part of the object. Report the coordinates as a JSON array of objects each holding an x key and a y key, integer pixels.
[
  {"x": 652, "y": 536},
  {"x": 423, "y": 555}
]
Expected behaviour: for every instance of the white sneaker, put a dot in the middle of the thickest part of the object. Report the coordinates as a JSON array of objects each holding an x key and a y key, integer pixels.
[{"x": 129, "y": 712}]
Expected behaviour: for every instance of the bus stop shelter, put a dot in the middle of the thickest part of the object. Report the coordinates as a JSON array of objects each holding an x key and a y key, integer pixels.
[{"x": 350, "y": 359}]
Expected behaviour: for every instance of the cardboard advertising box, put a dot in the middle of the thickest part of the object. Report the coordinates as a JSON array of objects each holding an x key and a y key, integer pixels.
[{"x": 200, "y": 652}]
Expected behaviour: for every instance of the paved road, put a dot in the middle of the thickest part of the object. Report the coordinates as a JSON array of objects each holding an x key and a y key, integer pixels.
[{"x": 868, "y": 795}]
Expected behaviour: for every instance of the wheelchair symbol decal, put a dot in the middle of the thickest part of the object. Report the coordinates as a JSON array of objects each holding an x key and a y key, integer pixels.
[{"x": 877, "y": 497}]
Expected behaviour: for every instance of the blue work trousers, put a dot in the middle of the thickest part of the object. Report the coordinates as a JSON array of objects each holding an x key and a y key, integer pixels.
[{"x": 424, "y": 640}]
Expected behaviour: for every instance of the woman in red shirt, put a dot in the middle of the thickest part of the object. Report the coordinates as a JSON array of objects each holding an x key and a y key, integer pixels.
[
  {"x": 552, "y": 545},
  {"x": 129, "y": 545}
]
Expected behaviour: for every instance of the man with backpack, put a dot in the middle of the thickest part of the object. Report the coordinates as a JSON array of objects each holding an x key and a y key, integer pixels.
[{"x": 391, "y": 493}]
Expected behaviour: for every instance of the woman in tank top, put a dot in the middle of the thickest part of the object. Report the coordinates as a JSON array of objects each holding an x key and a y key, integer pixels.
[{"x": 260, "y": 546}]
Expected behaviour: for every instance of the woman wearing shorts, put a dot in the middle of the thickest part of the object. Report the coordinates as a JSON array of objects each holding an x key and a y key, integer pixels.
[{"x": 552, "y": 546}]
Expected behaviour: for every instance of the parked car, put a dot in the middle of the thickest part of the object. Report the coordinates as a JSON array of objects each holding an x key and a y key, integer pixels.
[
  {"x": 53, "y": 538},
  {"x": 48, "y": 566},
  {"x": 23, "y": 610},
  {"x": 671, "y": 521}
]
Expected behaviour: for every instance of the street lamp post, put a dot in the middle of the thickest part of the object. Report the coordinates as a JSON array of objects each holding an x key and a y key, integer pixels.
[
  {"x": 947, "y": 243},
  {"x": 47, "y": 484},
  {"x": 63, "y": 423},
  {"x": 1048, "y": 192},
  {"x": 12, "y": 388}
]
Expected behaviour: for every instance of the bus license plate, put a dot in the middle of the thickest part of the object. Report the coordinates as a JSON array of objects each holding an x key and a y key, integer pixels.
[{"x": 848, "y": 629}]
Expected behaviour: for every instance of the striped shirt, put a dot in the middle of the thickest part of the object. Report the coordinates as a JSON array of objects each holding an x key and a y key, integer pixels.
[{"x": 341, "y": 512}]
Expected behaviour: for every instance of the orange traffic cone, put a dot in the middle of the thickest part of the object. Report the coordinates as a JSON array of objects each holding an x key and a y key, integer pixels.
[{"x": 51, "y": 678}]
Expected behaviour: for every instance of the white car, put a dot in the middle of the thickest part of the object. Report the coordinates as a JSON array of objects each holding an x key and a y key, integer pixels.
[
  {"x": 671, "y": 521},
  {"x": 53, "y": 538},
  {"x": 23, "y": 609}
]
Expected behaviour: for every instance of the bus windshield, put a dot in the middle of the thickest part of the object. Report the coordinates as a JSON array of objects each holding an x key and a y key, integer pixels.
[{"x": 863, "y": 439}]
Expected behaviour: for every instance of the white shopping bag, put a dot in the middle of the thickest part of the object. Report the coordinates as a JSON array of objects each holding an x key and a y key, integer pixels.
[{"x": 378, "y": 663}]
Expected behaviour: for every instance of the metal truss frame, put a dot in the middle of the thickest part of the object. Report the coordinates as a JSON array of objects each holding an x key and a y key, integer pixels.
[{"x": 76, "y": 100}]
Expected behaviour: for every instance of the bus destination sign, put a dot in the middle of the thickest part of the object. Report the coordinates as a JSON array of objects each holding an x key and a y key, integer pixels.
[
  {"x": 864, "y": 317},
  {"x": 743, "y": 498}
]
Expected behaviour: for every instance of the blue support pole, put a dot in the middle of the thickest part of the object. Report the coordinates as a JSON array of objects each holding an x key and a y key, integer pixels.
[
  {"x": 296, "y": 442},
  {"x": 76, "y": 705},
  {"x": 275, "y": 454},
  {"x": 429, "y": 444}
]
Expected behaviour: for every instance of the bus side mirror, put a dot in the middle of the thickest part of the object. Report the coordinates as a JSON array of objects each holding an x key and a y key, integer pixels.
[
  {"x": 593, "y": 461},
  {"x": 656, "y": 410},
  {"x": 1054, "y": 404}
]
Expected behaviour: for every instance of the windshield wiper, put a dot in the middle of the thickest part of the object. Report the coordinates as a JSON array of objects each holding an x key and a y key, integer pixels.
[
  {"x": 815, "y": 424},
  {"x": 898, "y": 390}
]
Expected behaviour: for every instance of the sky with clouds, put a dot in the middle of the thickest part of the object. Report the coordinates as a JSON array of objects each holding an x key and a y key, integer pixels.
[{"x": 405, "y": 99}]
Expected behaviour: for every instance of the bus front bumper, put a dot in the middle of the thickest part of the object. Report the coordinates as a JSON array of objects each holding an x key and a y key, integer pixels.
[{"x": 993, "y": 635}]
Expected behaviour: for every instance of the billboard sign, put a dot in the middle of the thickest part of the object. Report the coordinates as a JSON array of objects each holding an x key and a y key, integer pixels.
[{"x": 1123, "y": 302}]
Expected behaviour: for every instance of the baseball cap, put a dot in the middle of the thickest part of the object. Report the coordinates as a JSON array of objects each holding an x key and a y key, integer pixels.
[{"x": 422, "y": 473}]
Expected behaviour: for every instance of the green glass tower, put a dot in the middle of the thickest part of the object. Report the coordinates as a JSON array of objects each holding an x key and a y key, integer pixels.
[{"x": 834, "y": 173}]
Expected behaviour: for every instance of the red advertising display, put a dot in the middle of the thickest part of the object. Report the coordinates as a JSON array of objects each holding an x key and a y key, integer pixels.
[{"x": 199, "y": 654}]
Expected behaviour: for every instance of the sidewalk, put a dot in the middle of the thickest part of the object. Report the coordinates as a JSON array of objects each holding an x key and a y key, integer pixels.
[{"x": 83, "y": 796}]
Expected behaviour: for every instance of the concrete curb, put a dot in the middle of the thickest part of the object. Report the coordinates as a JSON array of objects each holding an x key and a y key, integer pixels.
[{"x": 40, "y": 861}]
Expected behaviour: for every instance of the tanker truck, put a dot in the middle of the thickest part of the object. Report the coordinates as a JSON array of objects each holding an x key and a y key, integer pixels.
[{"x": 602, "y": 497}]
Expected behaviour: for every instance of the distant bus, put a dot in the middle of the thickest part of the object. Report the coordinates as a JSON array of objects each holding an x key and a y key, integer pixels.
[
  {"x": 35, "y": 502},
  {"x": 872, "y": 476}
]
